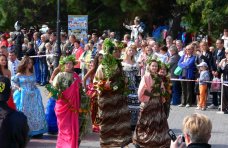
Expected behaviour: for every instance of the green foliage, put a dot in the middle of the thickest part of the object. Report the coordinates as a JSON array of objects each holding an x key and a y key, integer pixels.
[
  {"x": 203, "y": 13},
  {"x": 53, "y": 91},
  {"x": 29, "y": 12},
  {"x": 64, "y": 60},
  {"x": 108, "y": 44},
  {"x": 110, "y": 65},
  {"x": 102, "y": 14},
  {"x": 110, "y": 14}
]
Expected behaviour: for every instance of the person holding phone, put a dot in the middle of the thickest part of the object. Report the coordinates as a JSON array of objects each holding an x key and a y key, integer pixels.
[{"x": 197, "y": 132}]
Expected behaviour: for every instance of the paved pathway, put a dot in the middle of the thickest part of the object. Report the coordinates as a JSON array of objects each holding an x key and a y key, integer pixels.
[{"x": 219, "y": 137}]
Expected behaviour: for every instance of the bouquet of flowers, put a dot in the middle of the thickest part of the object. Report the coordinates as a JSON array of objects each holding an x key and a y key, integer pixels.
[{"x": 102, "y": 85}]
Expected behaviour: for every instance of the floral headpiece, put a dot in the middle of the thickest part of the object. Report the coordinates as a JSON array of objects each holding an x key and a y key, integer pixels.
[{"x": 64, "y": 60}]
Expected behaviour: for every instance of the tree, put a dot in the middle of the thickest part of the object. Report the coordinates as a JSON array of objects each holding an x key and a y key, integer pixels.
[
  {"x": 28, "y": 12},
  {"x": 103, "y": 14},
  {"x": 208, "y": 16}
]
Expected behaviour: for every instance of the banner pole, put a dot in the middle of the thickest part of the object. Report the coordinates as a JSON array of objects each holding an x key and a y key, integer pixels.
[{"x": 221, "y": 112}]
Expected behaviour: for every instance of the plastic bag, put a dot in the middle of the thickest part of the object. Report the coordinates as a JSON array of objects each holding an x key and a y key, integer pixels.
[{"x": 178, "y": 71}]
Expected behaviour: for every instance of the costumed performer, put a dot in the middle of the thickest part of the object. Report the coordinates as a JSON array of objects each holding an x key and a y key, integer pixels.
[
  {"x": 113, "y": 112},
  {"x": 152, "y": 126},
  {"x": 67, "y": 108}
]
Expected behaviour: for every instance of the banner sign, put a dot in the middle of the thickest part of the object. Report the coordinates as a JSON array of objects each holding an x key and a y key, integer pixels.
[{"x": 78, "y": 25}]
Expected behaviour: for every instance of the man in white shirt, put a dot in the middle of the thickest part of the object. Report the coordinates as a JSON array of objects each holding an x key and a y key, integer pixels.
[
  {"x": 13, "y": 63},
  {"x": 136, "y": 29}
]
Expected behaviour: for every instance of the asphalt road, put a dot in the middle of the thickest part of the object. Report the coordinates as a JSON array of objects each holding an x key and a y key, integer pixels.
[{"x": 218, "y": 139}]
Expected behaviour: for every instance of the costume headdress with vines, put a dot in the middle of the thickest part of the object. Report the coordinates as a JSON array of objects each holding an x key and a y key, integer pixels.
[
  {"x": 109, "y": 62},
  {"x": 160, "y": 64},
  {"x": 64, "y": 60}
]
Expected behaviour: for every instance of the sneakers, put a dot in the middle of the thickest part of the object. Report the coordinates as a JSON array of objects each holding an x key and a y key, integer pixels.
[
  {"x": 181, "y": 105},
  {"x": 219, "y": 108},
  {"x": 187, "y": 105},
  {"x": 203, "y": 109},
  {"x": 198, "y": 108},
  {"x": 212, "y": 106}
]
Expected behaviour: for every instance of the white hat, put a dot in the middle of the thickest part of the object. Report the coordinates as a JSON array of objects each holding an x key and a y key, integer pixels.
[{"x": 202, "y": 64}]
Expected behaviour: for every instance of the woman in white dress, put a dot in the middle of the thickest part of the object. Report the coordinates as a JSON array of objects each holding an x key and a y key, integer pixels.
[{"x": 131, "y": 71}]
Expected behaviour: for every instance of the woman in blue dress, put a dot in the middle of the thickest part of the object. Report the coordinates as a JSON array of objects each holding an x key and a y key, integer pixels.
[{"x": 27, "y": 97}]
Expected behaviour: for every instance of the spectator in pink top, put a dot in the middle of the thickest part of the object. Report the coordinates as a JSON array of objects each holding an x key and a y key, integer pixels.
[{"x": 77, "y": 51}]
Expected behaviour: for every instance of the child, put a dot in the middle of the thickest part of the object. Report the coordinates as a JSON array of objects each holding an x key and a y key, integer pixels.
[{"x": 204, "y": 76}]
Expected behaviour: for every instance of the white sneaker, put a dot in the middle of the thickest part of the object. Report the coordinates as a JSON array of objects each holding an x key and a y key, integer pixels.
[
  {"x": 203, "y": 109},
  {"x": 181, "y": 105},
  {"x": 212, "y": 106},
  {"x": 198, "y": 108},
  {"x": 187, "y": 105},
  {"x": 219, "y": 108}
]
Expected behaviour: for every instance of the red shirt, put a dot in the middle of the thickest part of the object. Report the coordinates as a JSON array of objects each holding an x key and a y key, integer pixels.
[{"x": 78, "y": 53}]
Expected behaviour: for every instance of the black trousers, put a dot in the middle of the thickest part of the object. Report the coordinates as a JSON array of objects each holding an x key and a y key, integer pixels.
[
  {"x": 215, "y": 98},
  {"x": 188, "y": 96}
]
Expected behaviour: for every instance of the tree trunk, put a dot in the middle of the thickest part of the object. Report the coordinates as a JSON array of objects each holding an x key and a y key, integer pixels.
[{"x": 175, "y": 28}]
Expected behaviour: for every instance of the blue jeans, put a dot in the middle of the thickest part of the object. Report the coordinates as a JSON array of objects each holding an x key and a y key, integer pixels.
[
  {"x": 37, "y": 70},
  {"x": 176, "y": 92},
  {"x": 43, "y": 71}
]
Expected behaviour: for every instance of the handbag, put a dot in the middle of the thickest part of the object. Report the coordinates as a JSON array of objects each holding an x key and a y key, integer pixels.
[
  {"x": 178, "y": 71},
  {"x": 216, "y": 85}
]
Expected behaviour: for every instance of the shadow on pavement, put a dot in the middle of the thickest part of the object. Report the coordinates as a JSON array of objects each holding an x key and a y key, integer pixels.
[{"x": 47, "y": 141}]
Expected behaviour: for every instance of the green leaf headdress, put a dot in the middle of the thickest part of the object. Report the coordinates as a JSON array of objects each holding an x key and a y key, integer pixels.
[
  {"x": 150, "y": 59},
  {"x": 64, "y": 60},
  {"x": 167, "y": 66},
  {"x": 109, "y": 62},
  {"x": 107, "y": 46}
]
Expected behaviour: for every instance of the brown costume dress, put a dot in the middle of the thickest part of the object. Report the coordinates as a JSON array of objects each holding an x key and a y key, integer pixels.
[
  {"x": 152, "y": 126},
  {"x": 113, "y": 112}
]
